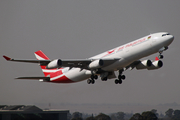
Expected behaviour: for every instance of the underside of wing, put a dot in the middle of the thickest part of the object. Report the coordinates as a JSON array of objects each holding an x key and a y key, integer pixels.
[
  {"x": 81, "y": 63},
  {"x": 132, "y": 65}
]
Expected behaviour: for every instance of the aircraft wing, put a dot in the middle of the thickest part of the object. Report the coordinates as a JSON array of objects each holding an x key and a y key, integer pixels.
[
  {"x": 84, "y": 63},
  {"x": 78, "y": 63},
  {"x": 132, "y": 65},
  {"x": 41, "y": 62}
]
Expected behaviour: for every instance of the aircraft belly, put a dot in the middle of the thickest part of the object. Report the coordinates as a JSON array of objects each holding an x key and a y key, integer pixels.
[
  {"x": 117, "y": 65},
  {"x": 76, "y": 74}
]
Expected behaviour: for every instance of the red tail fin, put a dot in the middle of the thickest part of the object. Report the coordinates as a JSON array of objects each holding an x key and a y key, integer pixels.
[{"x": 41, "y": 56}]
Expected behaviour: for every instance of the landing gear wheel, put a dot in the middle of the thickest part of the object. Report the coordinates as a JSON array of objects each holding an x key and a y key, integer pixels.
[
  {"x": 95, "y": 77},
  {"x": 161, "y": 56},
  {"x": 92, "y": 81},
  {"x": 89, "y": 81},
  {"x": 123, "y": 77},
  {"x": 116, "y": 81},
  {"x": 120, "y": 81}
]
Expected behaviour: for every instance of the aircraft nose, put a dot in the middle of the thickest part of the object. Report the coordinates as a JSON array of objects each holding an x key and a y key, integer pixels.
[{"x": 171, "y": 38}]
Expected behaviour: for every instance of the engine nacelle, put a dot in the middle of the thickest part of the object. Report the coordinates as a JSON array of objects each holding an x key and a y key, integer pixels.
[
  {"x": 156, "y": 65},
  {"x": 54, "y": 64},
  {"x": 96, "y": 64},
  {"x": 144, "y": 64}
]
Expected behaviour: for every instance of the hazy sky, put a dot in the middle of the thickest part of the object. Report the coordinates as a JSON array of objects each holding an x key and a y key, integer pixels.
[{"x": 81, "y": 29}]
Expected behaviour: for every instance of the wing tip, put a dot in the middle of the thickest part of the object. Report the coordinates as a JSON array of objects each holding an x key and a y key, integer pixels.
[{"x": 7, "y": 58}]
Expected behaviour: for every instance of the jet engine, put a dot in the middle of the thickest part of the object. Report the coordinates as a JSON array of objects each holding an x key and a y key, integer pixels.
[
  {"x": 96, "y": 64},
  {"x": 54, "y": 64},
  {"x": 144, "y": 64},
  {"x": 155, "y": 65}
]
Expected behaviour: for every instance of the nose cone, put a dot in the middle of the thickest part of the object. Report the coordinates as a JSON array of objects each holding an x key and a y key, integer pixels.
[{"x": 171, "y": 38}]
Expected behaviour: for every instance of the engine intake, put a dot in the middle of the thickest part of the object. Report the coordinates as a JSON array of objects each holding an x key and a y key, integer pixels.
[
  {"x": 156, "y": 65},
  {"x": 144, "y": 64}
]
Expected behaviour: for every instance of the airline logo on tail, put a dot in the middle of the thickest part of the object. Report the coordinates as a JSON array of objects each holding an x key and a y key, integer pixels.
[
  {"x": 41, "y": 56},
  {"x": 56, "y": 75}
]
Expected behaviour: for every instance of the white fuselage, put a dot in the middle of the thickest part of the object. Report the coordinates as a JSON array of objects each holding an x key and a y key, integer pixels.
[{"x": 126, "y": 54}]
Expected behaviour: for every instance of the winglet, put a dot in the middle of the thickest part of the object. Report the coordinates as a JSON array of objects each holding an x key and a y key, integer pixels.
[
  {"x": 156, "y": 59},
  {"x": 7, "y": 58}
]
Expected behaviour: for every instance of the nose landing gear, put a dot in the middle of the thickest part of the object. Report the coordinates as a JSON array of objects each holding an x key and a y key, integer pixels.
[
  {"x": 161, "y": 51},
  {"x": 160, "y": 56}
]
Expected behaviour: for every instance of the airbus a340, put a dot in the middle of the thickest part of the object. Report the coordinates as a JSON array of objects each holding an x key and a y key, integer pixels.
[{"x": 105, "y": 64}]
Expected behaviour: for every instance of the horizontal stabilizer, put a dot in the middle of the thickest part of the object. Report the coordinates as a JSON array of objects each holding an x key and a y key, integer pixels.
[{"x": 46, "y": 79}]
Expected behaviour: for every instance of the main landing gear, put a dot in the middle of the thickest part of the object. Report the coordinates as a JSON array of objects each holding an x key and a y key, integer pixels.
[
  {"x": 120, "y": 78},
  {"x": 104, "y": 78},
  {"x": 92, "y": 81}
]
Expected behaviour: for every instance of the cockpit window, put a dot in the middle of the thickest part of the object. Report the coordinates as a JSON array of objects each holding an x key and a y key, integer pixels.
[{"x": 165, "y": 34}]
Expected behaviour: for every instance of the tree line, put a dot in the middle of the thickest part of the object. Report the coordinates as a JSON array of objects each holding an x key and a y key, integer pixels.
[{"x": 170, "y": 114}]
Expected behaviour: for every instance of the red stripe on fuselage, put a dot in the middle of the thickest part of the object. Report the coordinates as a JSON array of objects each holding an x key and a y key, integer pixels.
[
  {"x": 63, "y": 79},
  {"x": 55, "y": 74},
  {"x": 51, "y": 72},
  {"x": 43, "y": 67},
  {"x": 46, "y": 73}
]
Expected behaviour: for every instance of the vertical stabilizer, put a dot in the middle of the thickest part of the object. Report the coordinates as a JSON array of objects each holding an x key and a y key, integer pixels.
[{"x": 41, "y": 56}]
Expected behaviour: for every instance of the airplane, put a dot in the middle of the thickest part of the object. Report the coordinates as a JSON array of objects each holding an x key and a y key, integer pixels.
[{"x": 105, "y": 64}]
